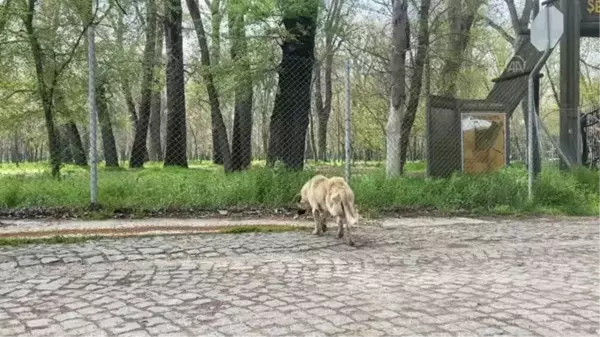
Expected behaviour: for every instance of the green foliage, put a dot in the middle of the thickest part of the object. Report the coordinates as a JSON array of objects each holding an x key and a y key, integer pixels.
[{"x": 205, "y": 186}]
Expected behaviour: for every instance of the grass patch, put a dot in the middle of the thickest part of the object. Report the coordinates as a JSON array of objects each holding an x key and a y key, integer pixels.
[
  {"x": 260, "y": 229},
  {"x": 205, "y": 187},
  {"x": 58, "y": 239}
]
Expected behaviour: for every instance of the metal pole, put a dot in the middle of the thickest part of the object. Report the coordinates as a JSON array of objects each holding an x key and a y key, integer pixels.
[
  {"x": 530, "y": 171},
  {"x": 347, "y": 147},
  {"x": 93, "y": 119},
  {"x": 531, "y": 109},
  {"x": 569, "y": 80}
]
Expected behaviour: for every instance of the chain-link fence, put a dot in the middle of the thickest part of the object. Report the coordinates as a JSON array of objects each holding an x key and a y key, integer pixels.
[
  {"x": 330, "y": 115},
  {"x": 301, "y": 114}
]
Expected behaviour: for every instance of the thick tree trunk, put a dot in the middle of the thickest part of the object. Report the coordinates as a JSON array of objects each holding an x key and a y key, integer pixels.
[
  {"x": 219, "y": 131},
  {"x": 109, "y": 145},
  {"x": 461, "y": 15},
  {"x": 130, "y": 103},
  {"x": 139, "y": 149},
  {"x": 65, "y": 147},
  {"x": 323, "y": 108},
  {"x": 264, "y": 123},
  {"x": 155, "y": 146},
  {"x": 416, "y": 82},
  {"x": 215, "y": 56},
  {"x": 289, "y": 120},
  {"x": 400, "y": 37},
  {"x": 75, "y": 145},
  {"x": 45, "y": 92},
  {"x": 176, "y": 142},
  {"x": 241, "y": 143}
]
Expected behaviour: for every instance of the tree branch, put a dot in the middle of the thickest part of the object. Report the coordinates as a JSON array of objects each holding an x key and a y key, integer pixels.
[
  {"x": 500, "y": 30},
  {"x": 514, "y": 17},
  {"x": 526, "y": 14}
]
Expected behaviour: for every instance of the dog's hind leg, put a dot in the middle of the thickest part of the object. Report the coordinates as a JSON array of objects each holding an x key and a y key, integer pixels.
[{"x": 318, "y": 229}]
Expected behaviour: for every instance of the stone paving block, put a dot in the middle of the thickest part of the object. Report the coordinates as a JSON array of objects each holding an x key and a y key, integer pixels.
[{"x": 517, "y": 278}]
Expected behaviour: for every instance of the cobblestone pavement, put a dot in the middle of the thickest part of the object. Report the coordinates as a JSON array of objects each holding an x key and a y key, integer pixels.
[{"x": 507, "y": 278}]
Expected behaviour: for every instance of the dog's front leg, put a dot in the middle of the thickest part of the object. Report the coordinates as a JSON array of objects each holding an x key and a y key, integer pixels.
[
  {"x": 348, "y": 237},
  {"x": 318, "y": 229},
  {"x": 340, "y": 232},
  {"x": 324, "y": 221}
]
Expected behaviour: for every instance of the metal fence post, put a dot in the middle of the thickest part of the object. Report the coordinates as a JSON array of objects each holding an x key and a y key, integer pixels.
[
  {"x": 347, "y": 148},
  {"x": 93, "y": 120}
]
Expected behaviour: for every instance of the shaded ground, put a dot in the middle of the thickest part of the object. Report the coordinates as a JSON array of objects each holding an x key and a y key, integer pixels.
[{"x": 407, "y": 277}]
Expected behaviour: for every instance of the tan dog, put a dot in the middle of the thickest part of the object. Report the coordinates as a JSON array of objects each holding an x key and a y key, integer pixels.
[
  {"x": 332, "y": 196},
  {"x": 312, "y": 196},
  {"x": 340, "y": 204}
]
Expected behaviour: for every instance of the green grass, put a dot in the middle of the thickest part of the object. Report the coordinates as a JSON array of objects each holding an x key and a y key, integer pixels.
[
  {"x": 205, "y": 186},
  {"x": 59, "y": 239}
]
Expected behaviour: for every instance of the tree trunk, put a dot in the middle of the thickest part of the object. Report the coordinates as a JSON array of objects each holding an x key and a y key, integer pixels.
[
  {"x": 125, "y": 84},
  {"x": 155, "y": 146},
  {"x": 109, "y": 145},
  {"x": 241, "y": 143},
  {"x": 461, "y": 15},
  {"x": 45, "y": 92},
  {"x": 323, "y": 109},
  {"x": 16, "y": 156},
  {"x": 75, "y": 145},
  {"x": 400, "y": 37},
  {"x": 219, "y": 131},
  {"x": 215, "y": 20},
  {"x": 176, "y": 142},
  {"x": 416, "y": 81},
  {"x": 289, "y": 120},
  {"x": 264, "y": 122},
  {"x": 130, "y": 103},
  {"x": 139, "y": 149},
  {"x": 215, "y": 56},
  {"x": 65, "y": 147},
  {"x": 312, "y": 142}
]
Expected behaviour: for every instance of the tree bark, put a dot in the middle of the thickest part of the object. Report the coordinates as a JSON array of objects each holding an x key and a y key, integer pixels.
[
  {"x": 45, "y": 91},
  {"x": 400, "y": 38},
  {"x": 75, "y": 145},
  {"x": 65, "y": 147},
  {"x": 139, "y": 149},
  {"x": 109, "y": 145},
  {"x": 215, "y": 56},
  {"x": 461, "y": 15},
  {"x": 16, "y": 155},
  {"x": 416, "y": 82},
  {"x": 241, "y": 143},
  {"x": 219, "y": 131},
  {"x": 332, "y": 26},
  {"x": 176, "y": 142},
  {"x": 155, "y": 146},
  {"x": 289, "y": 120},
  {"x": 323, "y": 108}
]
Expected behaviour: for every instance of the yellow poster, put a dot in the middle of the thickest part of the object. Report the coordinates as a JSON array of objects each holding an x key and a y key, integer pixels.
[{"x": 483, "y": 142}]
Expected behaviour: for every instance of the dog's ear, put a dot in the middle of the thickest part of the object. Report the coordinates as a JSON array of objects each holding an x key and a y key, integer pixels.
[{"x": 297, "y": 198}]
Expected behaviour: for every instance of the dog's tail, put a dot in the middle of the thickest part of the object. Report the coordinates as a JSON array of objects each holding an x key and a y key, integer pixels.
[{"x": 349, "y": 210}]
